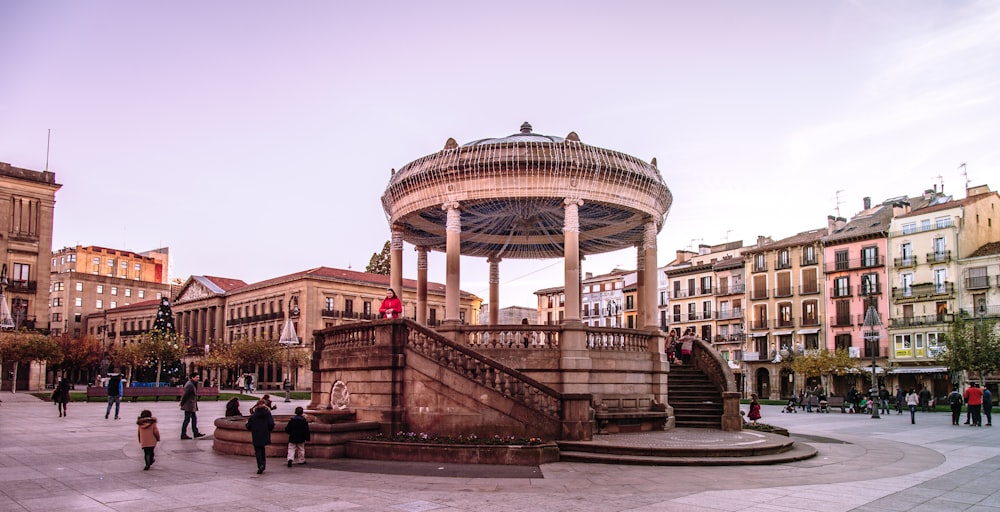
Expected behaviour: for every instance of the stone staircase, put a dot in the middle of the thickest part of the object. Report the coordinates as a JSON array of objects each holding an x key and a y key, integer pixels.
[{"x": 697, "y": 402}]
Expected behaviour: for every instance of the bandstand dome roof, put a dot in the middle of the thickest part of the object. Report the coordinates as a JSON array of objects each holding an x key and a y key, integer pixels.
[{"x": 512, "y": 190}]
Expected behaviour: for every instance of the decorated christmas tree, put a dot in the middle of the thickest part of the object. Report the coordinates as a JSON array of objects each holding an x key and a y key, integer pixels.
[{"x": 164, "y": 317}]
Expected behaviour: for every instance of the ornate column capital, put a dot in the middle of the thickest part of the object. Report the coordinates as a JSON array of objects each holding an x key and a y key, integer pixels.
[
  {"x": 454, "y": 222},
  {"x": 572, "y": 219}
]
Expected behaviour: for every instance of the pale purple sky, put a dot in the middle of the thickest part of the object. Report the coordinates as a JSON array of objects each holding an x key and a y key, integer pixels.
[{"x": 255, "y": 138}]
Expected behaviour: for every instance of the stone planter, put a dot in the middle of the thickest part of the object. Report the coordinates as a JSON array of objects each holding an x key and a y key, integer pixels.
[{"x": 514, "y": 455}]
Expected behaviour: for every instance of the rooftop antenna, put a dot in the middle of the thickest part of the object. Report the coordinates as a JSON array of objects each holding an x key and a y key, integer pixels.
[
  {"x": 48, "y": 145},
  {"x": 727, "y": 235},
  {"x": 965, "y": 174},
  {"x": 691, "y": 246},
  {"x": 838, "y": 201}
]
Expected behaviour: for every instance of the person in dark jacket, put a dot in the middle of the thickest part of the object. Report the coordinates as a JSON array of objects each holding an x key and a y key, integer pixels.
[
  {"x": 298, "y": 433},
  {"x": 233, "y": 407},
  {"x": 189, "y": 404},
  {"x": 115, "y": 390},
  {"x": 260, "y": 425},
  {"x": 61, "y": 396}
]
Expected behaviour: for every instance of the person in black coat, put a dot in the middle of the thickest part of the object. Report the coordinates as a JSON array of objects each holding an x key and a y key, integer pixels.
[
  {"x": 260, "y": 425},
  {"x": 61, "y": 396},
  {"x": 298, "y": 433},
  {"x": 233, "y": 407}
]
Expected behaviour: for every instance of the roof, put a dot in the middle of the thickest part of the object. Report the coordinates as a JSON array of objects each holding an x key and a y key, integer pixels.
[
  {"x": 871, "y": 223},
  {"x": 337, "y": 274},
  {"x": 525, "y": 135},
  {"x": 948, "y": 205},
  {"x": 986, "y": 250},
  {"x": 803, "y": 238},
  {"x": 220, "y": 284},
  {"x": 146, "y": 304}
]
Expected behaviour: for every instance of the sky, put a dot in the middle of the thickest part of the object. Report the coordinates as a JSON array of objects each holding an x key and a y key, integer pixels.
[{"x": 255, "y": 139}]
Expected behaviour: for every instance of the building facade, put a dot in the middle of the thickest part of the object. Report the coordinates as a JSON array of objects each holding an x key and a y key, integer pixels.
[{"x": 603, "y": 301}]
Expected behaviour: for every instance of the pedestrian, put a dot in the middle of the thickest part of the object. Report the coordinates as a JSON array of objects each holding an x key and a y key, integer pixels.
[
  {"x": 900, "y": 398},
  {"x": 115, "y": 389},
  {"x": 912, "y": 400},
  {"x": 266, "y": 400},
  {"x": 974, "y": 402},
  {"x": 687, "y": 345},
  {"x": 925, "y": 399},
  {"x": 233, "y": 407},
  {"x": 60, "y": 396},
  {"x": 260, "y": 425},
  {"x": 189, "y": 404},
  {"x": 988, "y": 406},
  {"x": 391, "y": 307},
  {"x": 298, "y": 433},
  {"x": 883, "y": 400},
  {"x": 754, "y": 414},
  {"x": 149, "y": 435},
  {"x": 955, "y": 402}
]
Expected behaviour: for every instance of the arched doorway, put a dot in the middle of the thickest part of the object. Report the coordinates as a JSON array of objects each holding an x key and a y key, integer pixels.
[
  {"x": 787, "y": 383},
  {"x": 763, "y": 381}
]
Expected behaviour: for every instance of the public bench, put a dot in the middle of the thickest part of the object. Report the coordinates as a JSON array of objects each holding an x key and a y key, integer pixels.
[
  {"x": 835, "y": 401},
  {"x": 101, "y": 392},
  {"x": 628, "y": 413}
]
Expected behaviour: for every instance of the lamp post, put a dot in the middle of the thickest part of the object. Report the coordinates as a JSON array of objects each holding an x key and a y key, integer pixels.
[
  {"x": 871, "y": 326},
  {"x": 288, "y": 338}
]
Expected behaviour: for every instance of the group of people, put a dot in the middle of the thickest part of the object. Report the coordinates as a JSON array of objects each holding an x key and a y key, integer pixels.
[
  {"x": 978, "y": 403},
  {"x": 679, "y": 349}
]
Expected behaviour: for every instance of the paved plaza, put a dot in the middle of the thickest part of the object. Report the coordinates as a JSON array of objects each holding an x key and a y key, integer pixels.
[{"x": 85, "y": 463}]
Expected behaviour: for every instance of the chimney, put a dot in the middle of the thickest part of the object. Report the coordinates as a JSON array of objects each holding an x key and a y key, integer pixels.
[
  {"x": 835, "y": 223},
  {"x": 589, "y": 275},
  {"x": 761, "y": 240},
  {"x": 867, "y": 202}
]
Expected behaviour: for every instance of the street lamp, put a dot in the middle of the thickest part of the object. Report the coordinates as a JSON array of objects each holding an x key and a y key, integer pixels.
[
  {"x": 288, "y": 338},
  {"x": 871, "y": 326}
]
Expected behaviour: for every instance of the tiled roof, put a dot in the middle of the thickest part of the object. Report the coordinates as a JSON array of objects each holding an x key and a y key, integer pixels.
[
  {"x": 337, "y": 274},
  {"x": 803, "y": 238},
  {"x": 221, "y": 284},
  {"x": 870, "y": 223},
  {"x": 146, "y": 304},
  {"x": 986, "y": 250},
  {"x": 948, "y": 205}
]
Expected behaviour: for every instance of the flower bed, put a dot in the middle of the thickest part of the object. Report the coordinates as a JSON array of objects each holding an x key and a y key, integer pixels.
[
  {"x": 764, "y": 427},
  {"x": 418, "y": 447}
]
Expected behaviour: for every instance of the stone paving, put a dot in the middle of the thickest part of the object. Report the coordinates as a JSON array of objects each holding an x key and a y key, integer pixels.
[{"x": 86, "y": 463}]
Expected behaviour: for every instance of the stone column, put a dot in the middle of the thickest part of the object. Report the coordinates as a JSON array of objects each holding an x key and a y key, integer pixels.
[
  {"x": 396, "y": 263},
  {"x": 453, "y": 228},
  {"x": 421, "y": 285},
  {"x": 571, "y": 259},
  {"x": 640, "y": 286},
  {"x": 649, "y": 282},
  {"x": 494, "y": 290}
]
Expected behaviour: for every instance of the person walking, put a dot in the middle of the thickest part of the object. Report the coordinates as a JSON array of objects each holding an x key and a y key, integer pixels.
[
  {"x": 149, "y": 435},
  {"x": 912, "y": 400},
  {"x": 260, "y": 425},
  {"x": 189, "y": 404},
  {"x": 925, "y": 399},
  {"x": 883, "y": 400},
  {"x": 61, "y": 396},
  {"x": 955, "y": 402},
  {"x": 754, "y": 413},
  {"x": 974, "y": 401},
  {"x": 298, "y": 433},
  {"x": 115, "y": 389},
  {"x": 900, "y": 398},
  {"x": 988, "y": 406},
  {"x": 391, "y": 307}
]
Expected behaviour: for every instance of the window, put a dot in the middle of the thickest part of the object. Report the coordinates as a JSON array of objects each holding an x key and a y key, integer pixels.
[
  {"x": 906, "y": 284},
  {"x": 56, "y": 302},
  {"x": 784, "y": 284},
  {"x": 869, "y": 284},
  {"x": 586, "y": 288},
  {"x": 663, "y": 298},
  {"x": 630, "y": 302},
  {"x": 935, "y": 344},
  {"x": 692, "y": 311},
  {"x": 111, "y": 262},
  {"x": 142, "y": 293},
  {"x": 677, "y": 313},
  {"x": 810, "y": 283},
  {"x": 842, "y": 287},
  {"x": 618, "y": 285},
  {"x": 128, "y": 292},
  {"x": 939, "y": 249},
  {"x": 691, "y": 287},
  {"x": 843, "y": 341},
  {"x": 706, "y": 309},
  {"x": 812, "y": 341},
  {"x": 941, "y": 280},
  {"x": 842, "y": 260},
  {"x": 58, "y": 286},
  {"x": 78, "y": 302},
  {"x": 785, "y": 314},
  {"x": 925, "y": 225},
  {"x": 869, "y": 256},
  {"x": 906, "y": 254},
  {"x": 348, "y": 306},
  {"x": 114, "y": 304},
  {"x": 138, "y": 267},
  {"x": 809, "y": 255},
  {"x": 759, "y": 287},
  {"x": 783, "y": 259},
  {"x": 978, "y": 278},
  {"x": 843, "y": 317},
  {"x": 97, "y": 261},
  {"x": 77, "y": 317},
  {"x": 114, "y": 290},
  {"x": 57, "y": 317},
  {"x": 706, "y": 285},
  {"x": 22, "y": 274},
  {"x": 125, "y": 265},
  {"x": 100, "y": 304},
  {"x": 586, "y": 310},
  {"x": 909, "y": 227},
  {"x": 810, "y": 313},
  {"x": 942, "y": 222},
  {"x": 328, "y": 303},
  {"x": 100, "y": 288},
  {"x": 759, "y": 263}
]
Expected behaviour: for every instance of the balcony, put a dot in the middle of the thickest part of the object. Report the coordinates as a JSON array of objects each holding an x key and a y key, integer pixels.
[
  {"x": 977, "y": 283},
  {"x": 842, "y": 291},
  {"x": 759, "y": 267},
  {"x": 916, "y": 321},
  {"x": 758, "y": 294},
  {"x": 783, "y": 292},
  {"x": 841, "y": 321},
  {"x": 22, "y": 286},
  {"x": 991, "y": 312},
  {"x": 906, "y": 262},
  {"x": 810, "y": 289},
  {"x": 808, "y": 259},
  {"x": 854, "y": 264},
  {"x": 737, "y": 289},
  {"x": 677, "y": 318},
  {"x": 784, "y": 323},
  {"x": 808, "y": 321},
  {"x": 757, "y": 356},
  {"x": 758, "y": 324},
  {"x": 871, "y": 349},
  {"x": 865, "y": 290},
  {"x": 731, "y": 338},
  {"x": 350, "y": 315},
  {"x": 924, "y": 291},
  {"x": 938, "y": 257},
  {"x": 730, "y": 314},
  {"x": 780, "y": 265}
]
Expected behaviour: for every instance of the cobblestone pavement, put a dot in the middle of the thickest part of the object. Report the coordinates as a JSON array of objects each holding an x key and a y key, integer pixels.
[{"x": 85, "y": 463}]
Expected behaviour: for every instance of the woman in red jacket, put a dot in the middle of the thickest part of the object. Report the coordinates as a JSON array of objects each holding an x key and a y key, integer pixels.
[{"x": 392, "y": 307}]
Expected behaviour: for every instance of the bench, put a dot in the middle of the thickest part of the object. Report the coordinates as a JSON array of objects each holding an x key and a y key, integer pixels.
[
  {"x": 623, "y": 413},
  {"x": 101, "y": 392},
  {"x": 835, "y": 401}
]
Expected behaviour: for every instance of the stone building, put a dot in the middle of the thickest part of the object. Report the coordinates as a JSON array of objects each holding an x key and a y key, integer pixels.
[
  {"x": 27, "y": 248},
  {"x": 90, "y": 279},
  {"x": 604, "y": 298}
]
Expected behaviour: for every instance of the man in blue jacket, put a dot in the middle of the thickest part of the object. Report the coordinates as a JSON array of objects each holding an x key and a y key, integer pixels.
[{"x": 114, "y": 393}]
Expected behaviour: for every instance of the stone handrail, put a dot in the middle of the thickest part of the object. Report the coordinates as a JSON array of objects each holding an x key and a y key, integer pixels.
[
  {"x": 483, "y": 370},
  {"x": 709, "y": 361},
  {"x": 540, "y": 337},
  {"x": 617, "y": 339}
]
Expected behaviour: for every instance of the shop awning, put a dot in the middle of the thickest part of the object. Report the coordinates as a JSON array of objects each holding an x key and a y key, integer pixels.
[
  {"x": 781, "y": 333},
  {"x": 807, "y": 331},
  {"x": 921, "y": 369}
]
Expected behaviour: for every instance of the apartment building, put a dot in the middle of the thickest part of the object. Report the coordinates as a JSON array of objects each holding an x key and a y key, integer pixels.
[
  {"x": 979, "y": 295},
  {"x": 90, "y": 279},
  {"x": 603, "y": 298},
  {"x": 703, "y": 285},
  {"x": 926, "y": 246},
  {"x": 27, "y": 248},
  {"x": 786, "y": 306},
  {"x": 551, "y": 305}
]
